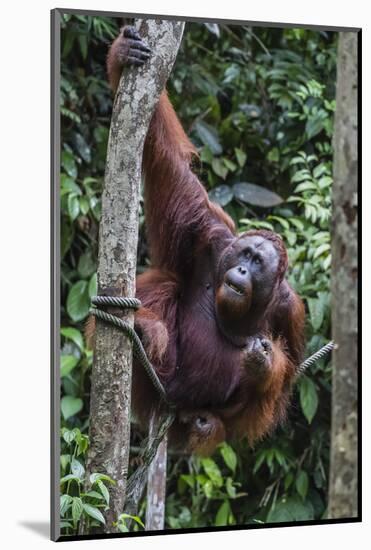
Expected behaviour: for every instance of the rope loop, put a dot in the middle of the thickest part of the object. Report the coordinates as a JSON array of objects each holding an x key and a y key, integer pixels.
[{"x": 138, "y": 349}]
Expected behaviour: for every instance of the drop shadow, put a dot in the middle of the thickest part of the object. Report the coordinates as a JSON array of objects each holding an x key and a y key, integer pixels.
[{"x": 42, "y": 528}]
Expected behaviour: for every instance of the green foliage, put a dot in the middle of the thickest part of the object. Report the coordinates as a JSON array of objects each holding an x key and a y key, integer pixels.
[
  {"x": 259, "y": 104},
  {"x": 76, "y": 505}
]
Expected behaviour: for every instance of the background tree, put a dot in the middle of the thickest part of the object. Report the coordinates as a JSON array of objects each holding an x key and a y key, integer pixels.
[{"x": 343, "y": 501}]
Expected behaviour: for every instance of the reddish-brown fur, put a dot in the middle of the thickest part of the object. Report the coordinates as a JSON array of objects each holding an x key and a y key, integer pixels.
[{"x": 201, "y": 369}]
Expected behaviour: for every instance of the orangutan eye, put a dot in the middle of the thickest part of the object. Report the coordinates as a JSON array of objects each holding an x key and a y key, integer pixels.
[
  {"x": 257, "y": 261},
  {"x": 247, "y": 254}
]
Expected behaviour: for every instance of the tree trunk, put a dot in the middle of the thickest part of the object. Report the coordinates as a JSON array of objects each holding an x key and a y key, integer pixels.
[
  {"x": 111, "y": 375},
  {"x": 156, "y": 484},
  {"x": 343, "y": 489}
]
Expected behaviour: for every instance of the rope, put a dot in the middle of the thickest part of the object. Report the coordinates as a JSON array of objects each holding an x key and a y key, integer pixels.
[
  {"x": 315, "y": 357},
  {"x": 138, "y": 349},
  {"x": 148, "y": 449}
]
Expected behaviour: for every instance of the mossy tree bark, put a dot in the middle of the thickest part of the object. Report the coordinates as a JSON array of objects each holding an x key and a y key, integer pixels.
[
  {"x": 343, "y": 490},
  {"x": 135, "y": 100}
]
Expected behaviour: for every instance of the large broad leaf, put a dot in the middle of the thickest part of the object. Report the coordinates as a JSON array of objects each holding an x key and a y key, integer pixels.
[
  {"x": 77, "y": 508},
  {"x": 87, "y": 265},
  {"x": 308, "y": 398},
  {"x": 74, "y": 335},
  {"x": 229, "y": 456},
  {"x": 78, "y": 301},
  {"x": 291, "y": 509},
  {"x": 212, "y": 470},
  {"x": 302, "y": 483},
  {"x": 77, "y": 468},
  {"x": 70, "y": 406},
  {"x": 222, "y": 515},
  {"x": 82, "y": 147},
  {"x": 222, "y": 195},
  {"x": 256, "y": 195},
  {"x": 209, "y": 136},
  {"x": 316, "y": 308},
  {"x": 219, "y": 168},
  {"x": 69, "y": 164},
  {"x": 68, "y": 363},
  {"x": 93, "y": 512}
]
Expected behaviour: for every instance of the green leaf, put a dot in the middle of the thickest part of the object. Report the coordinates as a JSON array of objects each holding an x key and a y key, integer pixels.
[
  {"x": 68, "y": 363},
  {"x": 209, "y": 136},
  {"x": 65, "y": 503},
  {"x": 273, "y": 155},
  {"x": 83, "y": 41},
  {"x": 241, "y": 156},
  {"x": 219, "y": 168},
  {"x": 301, "y": 175},
  {"x": 319, "y": 171},
  {"x": 256, "y": 195},
  {"x": 208, "y": 488},
  {"x": 77, "y": 508},
  {"x": 67, "y": 236},
  {"x": 78, "y": 301},
  {"x": 259, "y": 460},
  {"x": 70, "y": 406},
  {"x": 302, "y": 483},
  {"x": 212, "y": 470},
  {"x": 128, "y": 516},
  {"x": 83, "y": 444},
  {"x": 94, "y": 478},
  {"x": 74, "y": 335},
  {"x": 314, "y": 126},
  {"x": 69, "y": 164},
  {"x": 288, "y": 480},
  {"x": 229, "y": 456},
  {"x": 77, "y": 468},
  {"x": 73, "y": 206},
  {"x": 103, "y": 489},
  {"x": 308, "y": 398},
  {"x": 305, "y": 186},
  {"x": 206, "y": 155},
  {"x": 222, "y": 194},
  {"x": 68, "y": 185},
  {"x": 230, "y": 165},
  {"x": 93, "y": 512},
  {"x": 188, "y": 479},
  {"x": 68, "y": 435},
  {"x": 291, "y": 509},
  {"x": 231, "y": 489},
  {"x": 325, "y": 247},
  {"x": 93, "y": 286},
  {"x": 222, "y": 515},
  {"x": 64, "y": 460},
  {"x": 82, "y": 147},
  {"x": 69, "y": 477},
  {"x": 316, "y": 311},
  {"x": 84, "y": 205},
  {"x": 87, "y": 265}
]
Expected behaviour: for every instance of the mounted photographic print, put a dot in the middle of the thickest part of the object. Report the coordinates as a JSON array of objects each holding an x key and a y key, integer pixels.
[{"x": 205, "y": 239}]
